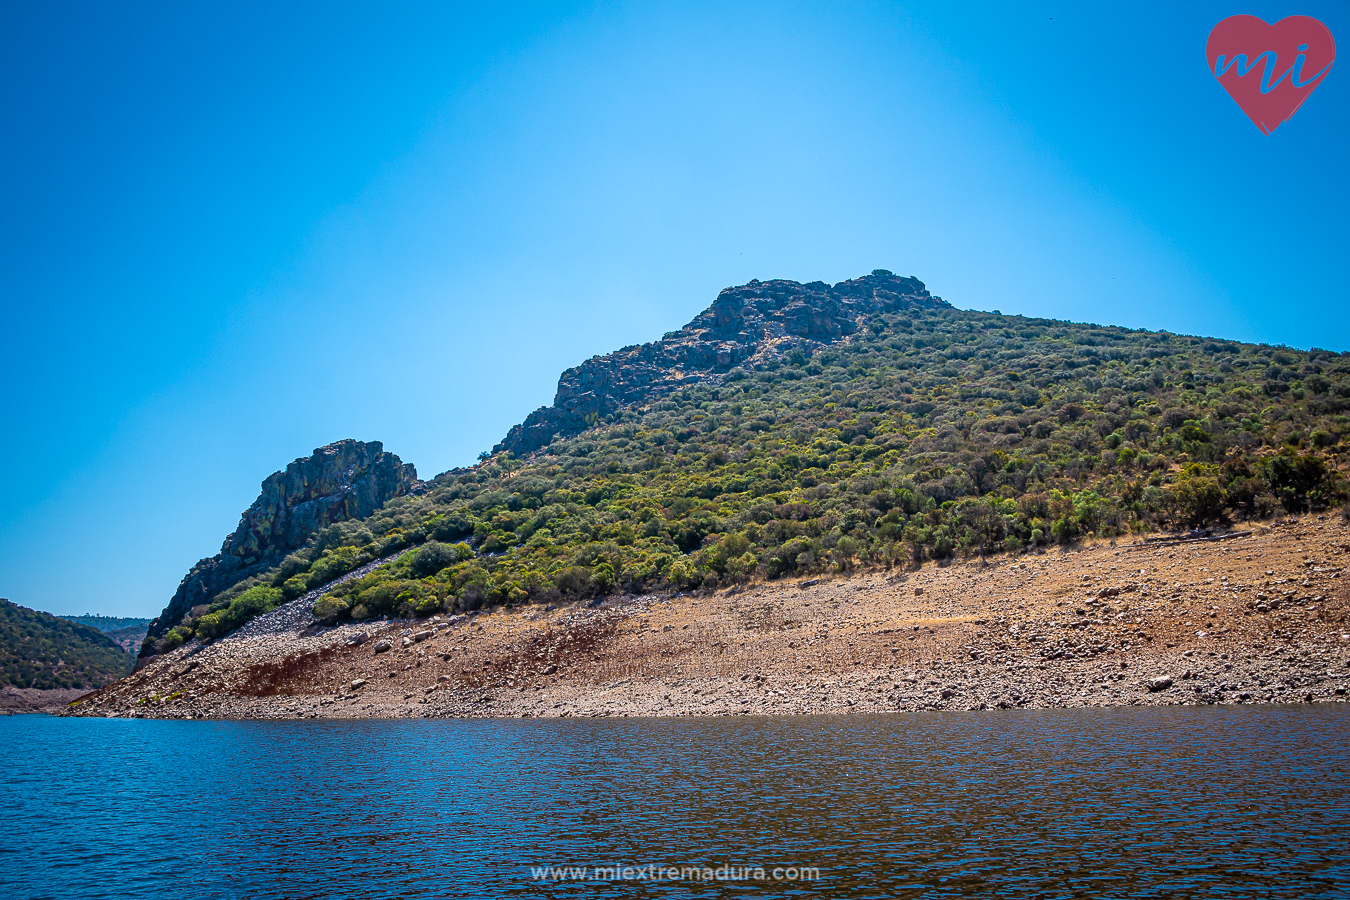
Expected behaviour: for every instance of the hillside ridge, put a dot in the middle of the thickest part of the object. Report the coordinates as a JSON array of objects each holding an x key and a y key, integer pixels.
[
  {"x": 745, "y": 325},
  {"x": 797, "y": 429},
  {"x": 126, "y": 632},
  {"x": 45, "y": 652}
]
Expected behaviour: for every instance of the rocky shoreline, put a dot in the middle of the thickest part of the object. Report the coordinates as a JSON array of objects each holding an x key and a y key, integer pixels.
[
  {"x": 1264, "y": 618},
  {"x": 14, "y": 700}
]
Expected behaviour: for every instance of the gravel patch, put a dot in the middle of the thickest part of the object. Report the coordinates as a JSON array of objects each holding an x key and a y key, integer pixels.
[{"x": 298, "y": 614}]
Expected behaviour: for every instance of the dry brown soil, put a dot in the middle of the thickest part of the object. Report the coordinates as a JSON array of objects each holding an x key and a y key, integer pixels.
[{"x": 1257, "y": 619}]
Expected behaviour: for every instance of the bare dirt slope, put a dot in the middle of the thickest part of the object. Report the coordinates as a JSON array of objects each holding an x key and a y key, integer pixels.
[
  {"x": 37, "y": 700},
  {"x": 1264, "y": 618}
]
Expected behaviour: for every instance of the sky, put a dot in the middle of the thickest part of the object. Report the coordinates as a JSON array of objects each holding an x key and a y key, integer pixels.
[{"x": 235, "y": 232}]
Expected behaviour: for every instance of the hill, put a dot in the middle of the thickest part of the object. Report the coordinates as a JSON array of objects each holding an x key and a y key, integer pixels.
[
  {"x": 797, "y": 429},
  {"x": 42, "y": 651},
  {"x": 127, "y": 633},
  {"x": 341, "y": 481},
  {"x": 107, "y": 624}
]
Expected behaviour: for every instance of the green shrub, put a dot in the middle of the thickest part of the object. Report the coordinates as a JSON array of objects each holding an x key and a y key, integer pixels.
[
  {"x": 1299, "y": 481},
  {"x": 435, "y": 556},
  {"x": 331, "y": 564},
  {"x": 176, "y": 637},
  {"x": 387, "y": 597},
  {"x": 416, "y": 599},
  {"x": 328, "y": 609},
  {"x": 295, "y": 586},
  {"x": 211, "y": 625},
  {"x": 1195, "y": 498},
  {"x": 253, "y": 602}
]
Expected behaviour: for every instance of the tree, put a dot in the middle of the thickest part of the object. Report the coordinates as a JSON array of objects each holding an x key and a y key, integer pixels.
[
  {"x": 1195, "y": 499},
  {"x": 985, "y": 525},
  {"x": 1298, "y": 480}
]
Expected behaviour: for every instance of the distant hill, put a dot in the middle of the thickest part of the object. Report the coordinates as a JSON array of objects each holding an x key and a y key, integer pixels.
[
  {"x": 39, "y": 650},
  {"x": 107, "y": 624},
  {"x": 130, "y": 638},
  {"x": 793, "y": 429},
  {"x": 127, "y": 633}
]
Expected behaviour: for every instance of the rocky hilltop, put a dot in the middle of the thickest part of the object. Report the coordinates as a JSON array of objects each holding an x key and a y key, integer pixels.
[
  {"x": 344, "y": 480},
  {"x": 744, "y": 325}
]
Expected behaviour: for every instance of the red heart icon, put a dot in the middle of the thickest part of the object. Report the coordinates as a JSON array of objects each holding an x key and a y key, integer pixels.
[{"x": 1270, "y": 69}]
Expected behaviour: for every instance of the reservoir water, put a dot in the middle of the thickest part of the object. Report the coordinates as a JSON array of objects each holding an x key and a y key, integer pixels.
[{"x": 1137, "y": 802}]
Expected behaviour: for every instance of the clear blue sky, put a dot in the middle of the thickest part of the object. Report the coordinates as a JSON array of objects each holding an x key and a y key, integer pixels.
[{"x": 234, "y": 232}]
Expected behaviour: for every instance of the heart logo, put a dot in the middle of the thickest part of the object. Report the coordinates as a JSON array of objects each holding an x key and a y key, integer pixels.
[{"x": 1270, "y": 69}]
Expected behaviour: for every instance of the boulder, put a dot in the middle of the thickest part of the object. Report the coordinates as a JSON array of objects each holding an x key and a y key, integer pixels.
[{"x": 1161, "y": 683}]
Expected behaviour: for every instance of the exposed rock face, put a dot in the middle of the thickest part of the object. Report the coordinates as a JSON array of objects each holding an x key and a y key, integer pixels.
[
  {"x": 346, "y": 480},
  {"x": 744, "y": 326}
]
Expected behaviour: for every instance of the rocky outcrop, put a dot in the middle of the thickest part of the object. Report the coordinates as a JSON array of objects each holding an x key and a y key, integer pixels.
[
  {"x": 345, "y": 480},
  {"x": 743, "y": 328}
]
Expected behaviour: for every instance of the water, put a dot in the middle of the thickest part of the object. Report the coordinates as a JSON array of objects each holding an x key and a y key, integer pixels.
[{"x": 1151, "y": 802}]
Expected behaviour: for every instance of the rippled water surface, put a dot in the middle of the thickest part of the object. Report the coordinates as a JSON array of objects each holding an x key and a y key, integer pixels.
[{"x": 1154, "y": 802}]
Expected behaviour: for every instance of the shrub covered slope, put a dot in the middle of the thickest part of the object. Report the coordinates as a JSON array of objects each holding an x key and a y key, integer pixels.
[
  {"x": 39, "y": 650},
  {"x": 794, "y": 429}
]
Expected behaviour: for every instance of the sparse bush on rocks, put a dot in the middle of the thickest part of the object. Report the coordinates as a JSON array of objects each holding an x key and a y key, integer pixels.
[{"x": 329, "y": 609}]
